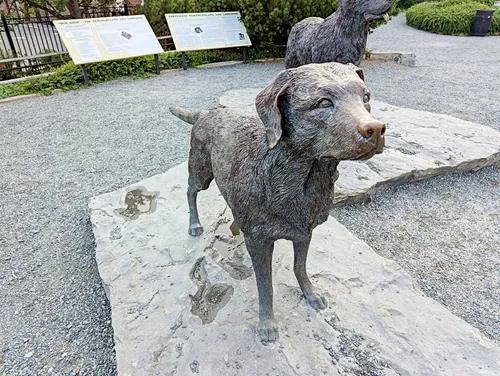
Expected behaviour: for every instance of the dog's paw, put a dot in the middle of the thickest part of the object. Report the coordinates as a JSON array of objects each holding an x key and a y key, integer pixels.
[
  {"x": 195, "y": 230},
  {"x": 268, "y": 333},
  {"x": 317, "y": 302}
]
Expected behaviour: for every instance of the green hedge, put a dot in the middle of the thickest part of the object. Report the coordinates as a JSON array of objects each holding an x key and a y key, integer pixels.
[
  {"x": 271, "y": 21},
  {"x": 405, "y": 4},
  {"x": 69, "y": 76},
  {"x": 267, "y": 21},
  {"x": 450, "y": 17}
]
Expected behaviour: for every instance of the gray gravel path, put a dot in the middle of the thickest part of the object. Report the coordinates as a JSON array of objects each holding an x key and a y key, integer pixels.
[
  {"x": 458, "y": 76},
  {"x": 56, "y": 152},
  {"x": 446, "y": 232}
]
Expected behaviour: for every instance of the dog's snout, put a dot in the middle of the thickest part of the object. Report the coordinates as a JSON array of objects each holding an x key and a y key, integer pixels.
[{"x": 371, "y": 127}]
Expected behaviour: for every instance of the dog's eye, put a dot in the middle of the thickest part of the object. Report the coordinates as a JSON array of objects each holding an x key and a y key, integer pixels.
[
  {"x": 366, "y": 98},
  {"x": 324, "y": 103}
]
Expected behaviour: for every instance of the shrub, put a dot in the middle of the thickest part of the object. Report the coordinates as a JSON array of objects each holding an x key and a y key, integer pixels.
[
  {"x": 495, "y": 23},
  {"x": 69, "y": 76},
  {"x": 271, "y": 21},
  {"x": 5, "y": 68},
  {"x": 451, "y": 17},
  {"x": 267, "y": 21},
  {"x": 405, "y": 4}
]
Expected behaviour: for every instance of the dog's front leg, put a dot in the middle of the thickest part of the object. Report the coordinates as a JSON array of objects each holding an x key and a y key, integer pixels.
[
  {"x": 261, "y": 253},
  {"x": 300, "y": 249}
]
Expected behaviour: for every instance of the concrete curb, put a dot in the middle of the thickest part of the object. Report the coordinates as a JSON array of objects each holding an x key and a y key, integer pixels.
[
  {"x": 220, "y": 64},
  {"x": 19, "y": 97},
  {"x": 403, "y": 58},
  {"x": 21, "y": 79}
]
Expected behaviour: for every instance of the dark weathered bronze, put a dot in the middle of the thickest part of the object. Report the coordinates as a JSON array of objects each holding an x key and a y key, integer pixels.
[
  {"x": 277, "y": 171},
  {"x": 341, "y": 37}
]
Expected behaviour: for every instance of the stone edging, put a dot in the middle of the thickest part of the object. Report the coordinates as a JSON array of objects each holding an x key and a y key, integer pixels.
[
  {"x": 18, "y": 97},
  {"x": 403, "y": 58}
]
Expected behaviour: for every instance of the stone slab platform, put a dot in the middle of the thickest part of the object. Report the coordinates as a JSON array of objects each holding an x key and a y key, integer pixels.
[
  {"x": 184, "y": 306},
  {"x": 419, "y": 145}
]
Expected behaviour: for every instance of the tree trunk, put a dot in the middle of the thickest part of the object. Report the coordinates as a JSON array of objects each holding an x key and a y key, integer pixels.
[{"x": 74, "y": 9}]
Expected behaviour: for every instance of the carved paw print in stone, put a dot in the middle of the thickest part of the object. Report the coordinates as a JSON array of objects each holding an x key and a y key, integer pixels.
[
  {"x": 209, "y": 299},
  {"x": 138, "y": 201}
]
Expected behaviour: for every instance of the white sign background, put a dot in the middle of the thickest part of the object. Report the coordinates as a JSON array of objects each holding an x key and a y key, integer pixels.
[
  {"x": 91, "y": 40},
  {"x": 204, "y": 31}
]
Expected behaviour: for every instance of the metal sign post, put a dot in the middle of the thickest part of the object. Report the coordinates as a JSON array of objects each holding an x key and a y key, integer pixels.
[
  {"x": 157, "y": 63},
  {"x": 184, "y": 61},
  {"x": 85, "y": 75},
  {"x": 245, "y": 55}
]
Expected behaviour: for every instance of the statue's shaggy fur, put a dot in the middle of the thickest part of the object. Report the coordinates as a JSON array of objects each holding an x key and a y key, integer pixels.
[
  {"x": 277, "y": 171},
  {"x": 339, "y": 38}
]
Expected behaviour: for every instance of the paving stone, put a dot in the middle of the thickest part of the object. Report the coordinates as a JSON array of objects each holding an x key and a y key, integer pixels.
[{"x": 183, "y": 305}]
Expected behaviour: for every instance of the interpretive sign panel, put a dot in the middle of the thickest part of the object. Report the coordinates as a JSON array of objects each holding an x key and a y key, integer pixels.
[
  {"x": 205, "y": 31},
  {"x": 108, "y": 38}
]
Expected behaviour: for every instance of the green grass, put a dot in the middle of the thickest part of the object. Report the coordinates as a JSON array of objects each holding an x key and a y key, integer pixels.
[
  {"x": 450, "y": 17},
  {"x": 69, "y": 76}
]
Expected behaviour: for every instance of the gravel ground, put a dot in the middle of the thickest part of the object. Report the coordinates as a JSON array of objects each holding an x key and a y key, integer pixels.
[
  {"x": 446, "y": 233},
  {"x": 59, "y": 151},
  {"x": 457, "y": 76}
]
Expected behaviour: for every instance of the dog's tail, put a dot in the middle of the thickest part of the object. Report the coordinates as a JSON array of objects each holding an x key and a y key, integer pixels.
[{"x": 189, "y": 116}]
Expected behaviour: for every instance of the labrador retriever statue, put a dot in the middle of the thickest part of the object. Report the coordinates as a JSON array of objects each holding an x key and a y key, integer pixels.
[
  {"x": 341, "y": 37},
  {"x": 277, "y": 171}
]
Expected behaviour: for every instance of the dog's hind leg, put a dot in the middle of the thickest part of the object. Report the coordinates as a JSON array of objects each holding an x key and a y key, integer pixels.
[
  {"x": 261, "y": 253},
  {"x": 200, "y": 176},
  {"x": 300, "y": 249},
  {"x": 195, "y": 227}
]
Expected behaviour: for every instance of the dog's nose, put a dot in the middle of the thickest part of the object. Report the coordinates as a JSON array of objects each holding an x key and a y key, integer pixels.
[{"x": 370, "y": 128}]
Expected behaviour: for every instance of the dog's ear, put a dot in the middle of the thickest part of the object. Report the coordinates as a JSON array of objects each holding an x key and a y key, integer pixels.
[
  {"x": 358, "y": 71},
  {"x": 268, "y": 107}
]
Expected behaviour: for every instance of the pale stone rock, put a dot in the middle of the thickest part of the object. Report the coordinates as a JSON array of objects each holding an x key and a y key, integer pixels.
[
  {"x": 419, "y": 145},
  {"x": 183, "y": 305}
]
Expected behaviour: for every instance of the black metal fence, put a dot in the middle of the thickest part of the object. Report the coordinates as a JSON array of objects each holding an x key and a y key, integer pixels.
[{"x": 29, "y": 36}]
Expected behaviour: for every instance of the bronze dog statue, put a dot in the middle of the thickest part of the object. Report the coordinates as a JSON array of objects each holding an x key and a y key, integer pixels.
[
  {"x": 341, "y": 37},
  {"x": 277, "y": 171}
]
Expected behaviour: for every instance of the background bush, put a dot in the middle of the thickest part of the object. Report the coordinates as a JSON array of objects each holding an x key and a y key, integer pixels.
[
  {"x": 69, "y": 76},
  {"x": 405, "y": 4},
  {"x": 267, "y": 21},
  {"x": 451, "y": 17},
  {"x": 271, "y": 21}
]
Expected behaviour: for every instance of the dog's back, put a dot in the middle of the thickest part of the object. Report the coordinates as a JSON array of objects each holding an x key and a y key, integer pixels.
[
  {"x": 255, "y": 181},
  {"x": 299, "y": 46}
]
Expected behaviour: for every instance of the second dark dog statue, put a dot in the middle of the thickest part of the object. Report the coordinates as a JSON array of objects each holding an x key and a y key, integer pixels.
[
  {"x": 341, "y": 37},
  {"x": 277, "y": 171}
]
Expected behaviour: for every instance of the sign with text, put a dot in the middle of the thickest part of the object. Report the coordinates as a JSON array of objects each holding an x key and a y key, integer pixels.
[
  {"x": 205, "y": 31},
  {"x": 91, "y": 40}
]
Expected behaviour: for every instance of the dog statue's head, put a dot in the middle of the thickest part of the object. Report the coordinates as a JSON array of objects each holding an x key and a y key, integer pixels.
[
  {"x": 370, "y": 9},
  {"x": 322, "y": 111}
]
